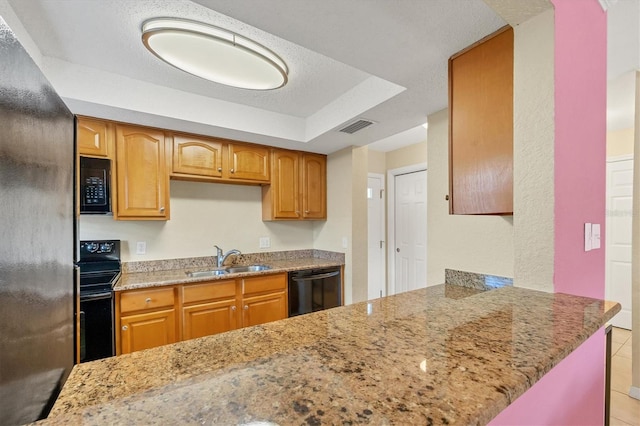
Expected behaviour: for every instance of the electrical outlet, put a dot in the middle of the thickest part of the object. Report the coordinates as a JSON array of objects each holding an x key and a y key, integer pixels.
[
  {"x": 265, "y": 242},
  {"x": 141, "y": 247}
]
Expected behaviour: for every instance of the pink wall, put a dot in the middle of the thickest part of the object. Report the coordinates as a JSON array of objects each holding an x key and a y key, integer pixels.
[
  {"x": 568, "y": 395},
  {"x": 573, "y": 392}
]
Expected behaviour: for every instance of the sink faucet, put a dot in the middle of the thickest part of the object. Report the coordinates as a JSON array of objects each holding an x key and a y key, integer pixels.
[{"x": 223, "y": 257}]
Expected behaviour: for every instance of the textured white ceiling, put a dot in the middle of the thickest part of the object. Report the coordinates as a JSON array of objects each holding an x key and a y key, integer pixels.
[{"x": 384, "y": 60}]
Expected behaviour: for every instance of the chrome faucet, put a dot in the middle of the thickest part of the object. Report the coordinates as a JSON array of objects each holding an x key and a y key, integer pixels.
[{"x": 222, "y": 257}]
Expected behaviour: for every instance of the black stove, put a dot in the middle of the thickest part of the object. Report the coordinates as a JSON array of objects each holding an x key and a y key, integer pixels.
[
  {"x": 99, "y": 270},
  {"x": 99, "y": 266}
]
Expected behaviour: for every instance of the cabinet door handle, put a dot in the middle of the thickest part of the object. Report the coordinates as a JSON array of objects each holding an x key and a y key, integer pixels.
[
  {"x": 219, "y": 169},
  {"x": 148, "y": 300},
  {"x": 246, "y": 307},
  {"x": 161, "y": 209},
  {"x": 306, "y": 212},
  {"x": 125, "y": 328},
  {"x": 233, "y": 308},
  {"x": 232, "y": 171}
]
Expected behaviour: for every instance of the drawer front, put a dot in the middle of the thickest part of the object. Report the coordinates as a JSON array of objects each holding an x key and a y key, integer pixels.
[
  {"x": 131, "y": 301},
  {"x": 264, "y": 283},
  {"x": 208, "y": 291}
]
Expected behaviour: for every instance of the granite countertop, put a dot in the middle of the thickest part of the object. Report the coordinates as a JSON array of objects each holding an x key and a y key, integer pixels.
[
  {"x": 441, "y": 355},
  {"x": 174, "y": 271}
]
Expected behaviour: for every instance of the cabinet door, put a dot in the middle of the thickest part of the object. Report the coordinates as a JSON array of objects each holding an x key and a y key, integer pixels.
[
  {"x": 209, "y": 318},
  {"x": 264, "y": 308},
  {"x": 248, "y": 162},
  {"x": 143, "y": 184},
  {"x": 198, "y": 157},
  {"x": 148, "y": 330},
  {"x": 93, "y": 137},
  {"x": 481, "y": 127},
  {"x": 314, "y": 186},
  {"x": 284, "y": 185}
]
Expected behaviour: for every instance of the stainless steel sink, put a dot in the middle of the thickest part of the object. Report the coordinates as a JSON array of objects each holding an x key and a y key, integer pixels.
[
  {"x": 211, "y": 273},
  {"x": 228, "y": 270},
  {"x": 250, "y": 268}
]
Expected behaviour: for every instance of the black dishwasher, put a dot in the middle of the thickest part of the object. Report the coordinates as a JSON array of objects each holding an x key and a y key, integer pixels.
[{"x": 313, "y": 290}]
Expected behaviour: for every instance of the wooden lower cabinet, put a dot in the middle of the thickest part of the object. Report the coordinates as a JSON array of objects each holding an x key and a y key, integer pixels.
[
  {"x": 146, "y": 318},
  {"x": 264, "y": 308},
  {"x": 208, "y": 308},
  {"x": 147, "y": 330},
  {"x": 208, "y": 318}
]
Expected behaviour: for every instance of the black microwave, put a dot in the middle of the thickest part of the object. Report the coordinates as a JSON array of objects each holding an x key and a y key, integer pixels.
[{"x": 95, "y": 185}]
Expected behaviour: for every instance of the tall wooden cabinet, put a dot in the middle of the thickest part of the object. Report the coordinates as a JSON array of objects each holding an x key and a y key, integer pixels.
[
  {"x": 298, "y": 187},
  {"x": 314, "y": 186},
  {"x": 481, "y": 126},
  {"x": 141, "y": 169}
]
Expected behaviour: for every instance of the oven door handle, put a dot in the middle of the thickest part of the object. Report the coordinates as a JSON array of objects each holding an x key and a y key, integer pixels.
[{"x": 98, "y": 296}]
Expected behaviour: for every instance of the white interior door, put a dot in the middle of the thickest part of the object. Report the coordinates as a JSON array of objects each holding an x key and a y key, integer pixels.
[
  {"x": 376, "y": 220},
  {"x": 410, "y": 231},
  {"x": 618, "y": 238}
]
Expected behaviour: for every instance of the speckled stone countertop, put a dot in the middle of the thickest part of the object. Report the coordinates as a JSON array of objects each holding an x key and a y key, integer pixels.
[
  {"x": 441, "y": 355},
  {"x": 174, "y": 271}
]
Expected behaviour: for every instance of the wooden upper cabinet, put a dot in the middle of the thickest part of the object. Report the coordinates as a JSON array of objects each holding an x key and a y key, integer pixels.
[
  {"x": 481, "y": 126},
  {"x": 196, "y": 156},
  {"x": 284, "y": 184},
  {"x": 248, "y": 162},
  {"x": 141, "y": 169},
  {"x": 298, "y": 187},
  {"x": 314, "y": 186},
  {"x": 94, "y": 137}
]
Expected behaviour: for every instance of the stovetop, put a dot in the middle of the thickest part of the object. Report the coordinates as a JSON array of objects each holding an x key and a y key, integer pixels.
[{"x": 99, "y": 266}]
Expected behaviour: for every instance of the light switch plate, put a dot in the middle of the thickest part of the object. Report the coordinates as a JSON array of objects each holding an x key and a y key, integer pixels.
[
  {"x": 595, "y": 236},
  {"x": 265, "y": 242},
  {"x": 345, "y": 242},
  {"x": 587, "y": 237},
  {"x": 141, "y": 247}
]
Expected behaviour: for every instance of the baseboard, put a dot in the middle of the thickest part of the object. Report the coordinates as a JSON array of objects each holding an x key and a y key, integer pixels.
[{"x": 634, "y": 392}]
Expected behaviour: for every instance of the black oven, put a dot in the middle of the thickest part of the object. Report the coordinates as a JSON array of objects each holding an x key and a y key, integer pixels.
[
  {"x": 95, "y": 185},
  {"x": 99, "y": 270}
]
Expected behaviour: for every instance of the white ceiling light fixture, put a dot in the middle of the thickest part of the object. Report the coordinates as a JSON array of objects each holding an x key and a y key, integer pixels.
[{"x": 214, "y": 54}]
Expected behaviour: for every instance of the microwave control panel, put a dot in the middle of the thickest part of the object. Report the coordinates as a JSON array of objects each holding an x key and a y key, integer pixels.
[{"x": 95, "y": 175}]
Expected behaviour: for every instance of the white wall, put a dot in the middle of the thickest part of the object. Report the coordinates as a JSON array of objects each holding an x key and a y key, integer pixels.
[
  {"x": 481, "y": 244},
  {"x": 533, "y": 153},
  {"x": 407, "y": 156},
  {"x": 620, "y": 142},
  {"x": 202, "y": 215},
  {"x": 328, "y": 235}
]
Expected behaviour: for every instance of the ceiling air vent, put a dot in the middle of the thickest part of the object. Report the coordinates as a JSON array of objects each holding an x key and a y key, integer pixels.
[{"x": 356, "y": 126}]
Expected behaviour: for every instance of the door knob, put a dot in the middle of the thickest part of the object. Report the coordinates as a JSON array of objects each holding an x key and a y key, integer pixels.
[{"x": 398, "y": 250}]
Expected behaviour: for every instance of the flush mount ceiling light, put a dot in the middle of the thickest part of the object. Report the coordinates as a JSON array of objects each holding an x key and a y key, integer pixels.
[{"x": 215, "y": 54}]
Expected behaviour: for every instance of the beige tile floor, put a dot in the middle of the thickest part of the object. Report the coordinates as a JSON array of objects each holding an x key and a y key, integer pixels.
[{"x": 624, "y": 409}]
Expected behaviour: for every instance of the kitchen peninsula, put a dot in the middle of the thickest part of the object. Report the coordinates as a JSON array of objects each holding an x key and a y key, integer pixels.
[{"x": 445, "y": 354}]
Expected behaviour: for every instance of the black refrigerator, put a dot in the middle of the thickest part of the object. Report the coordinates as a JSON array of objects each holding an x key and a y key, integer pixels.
[{"x": 37, "y": 237}]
